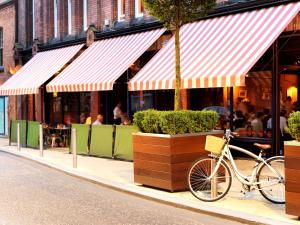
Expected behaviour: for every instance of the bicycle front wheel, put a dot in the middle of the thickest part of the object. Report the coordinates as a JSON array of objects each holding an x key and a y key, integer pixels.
[
  {"x": 205, "y": 188},
  {"x": 271, "y": 180}
]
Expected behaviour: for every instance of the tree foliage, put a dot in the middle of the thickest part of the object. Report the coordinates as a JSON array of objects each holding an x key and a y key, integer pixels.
[
  {"x": 175, "y": 13},
  {"x": 189, "y": 10}
]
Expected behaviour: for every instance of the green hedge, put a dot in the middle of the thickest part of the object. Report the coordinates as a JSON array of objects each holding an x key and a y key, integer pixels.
[
  {"x": 175, "y": 122},
  {"x": 294, "y": 125}
]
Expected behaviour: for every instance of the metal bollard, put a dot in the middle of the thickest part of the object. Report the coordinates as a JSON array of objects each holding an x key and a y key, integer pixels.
[
  {"x": 74, "y": 150},
  {"x": 18, "y": 137},
  {"x": 41, "y": 141}
]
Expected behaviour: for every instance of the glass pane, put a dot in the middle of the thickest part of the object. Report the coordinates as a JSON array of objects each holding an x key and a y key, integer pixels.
[{"x": 2, "y": 115}]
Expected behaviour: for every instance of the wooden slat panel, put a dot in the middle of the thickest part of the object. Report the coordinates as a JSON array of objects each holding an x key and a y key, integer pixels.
[
  {"x": 153, "y": 182},
  {"x": 292, "y": 209},
  {"x": 292, "y": 174},
  {"x": 154, "y": 174},
  {"x": 292, "y": 186},
  {"x": 151, "y": 157},
  {"x": 292, "y": 163},
  {"x": 152, "y": 149},
  {"x": 188, "y": 157},
  {"x": 152, "y": 140},
  {"x": 292, "y": 197},
  {"x": 290, "y": 150},
  {"x": 155, "y": 166}
]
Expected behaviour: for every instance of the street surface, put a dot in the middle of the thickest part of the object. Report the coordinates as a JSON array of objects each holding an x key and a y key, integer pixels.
[{"x": 36, "y": 195}]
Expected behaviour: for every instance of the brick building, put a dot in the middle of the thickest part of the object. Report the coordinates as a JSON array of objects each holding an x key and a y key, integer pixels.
[
  {"x": 54, "y": 24},
  {"x": 7, "y": 62}
]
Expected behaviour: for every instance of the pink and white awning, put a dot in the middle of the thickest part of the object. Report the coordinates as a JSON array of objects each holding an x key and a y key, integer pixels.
[
  {"x": 38, "y": 70},
  {"x": 103, "y": 63},
  {"x": 216, "y": 52}
]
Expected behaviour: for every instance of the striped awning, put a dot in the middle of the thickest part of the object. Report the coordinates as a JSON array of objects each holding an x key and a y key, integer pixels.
[
  {"x": 38, "y": 70},
  {"x": 103, "y": 63},
  {"x": 216, "y": 52}
]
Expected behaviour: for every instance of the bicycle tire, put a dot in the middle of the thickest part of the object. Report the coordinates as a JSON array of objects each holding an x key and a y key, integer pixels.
[
  {"x": 261, "y": 189},
  {"x": 202, "y": 185}
]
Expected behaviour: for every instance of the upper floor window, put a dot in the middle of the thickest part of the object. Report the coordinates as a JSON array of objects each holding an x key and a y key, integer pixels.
[
  {"x": 121, "y": 10},
  {"x": 55, "y": 19},
  {"x": 139, "y": 8},
  {"x": 69, "y": 16},
  {"x": 1, "y": 46},
  {"x": 33, "y": 19},
  {"x": 85, "y": 14}
]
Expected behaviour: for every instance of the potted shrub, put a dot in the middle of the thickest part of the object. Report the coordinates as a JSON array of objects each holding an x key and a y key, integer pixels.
[
  {"x": 292, "y": 166},
  {"x": 169, "y": 142}
]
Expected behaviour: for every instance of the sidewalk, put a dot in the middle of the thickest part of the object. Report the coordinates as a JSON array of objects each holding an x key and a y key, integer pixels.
[{"x": 119, "y": 174}]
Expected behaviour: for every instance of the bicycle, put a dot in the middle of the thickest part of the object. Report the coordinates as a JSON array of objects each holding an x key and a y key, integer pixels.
[{"x": 210, "y": 178}]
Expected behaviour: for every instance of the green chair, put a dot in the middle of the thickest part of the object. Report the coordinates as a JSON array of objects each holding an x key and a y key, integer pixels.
[
  {"x": 33, "y": 134},
  {"x": 82, "y": 138},
  {"x": 123, "y": 142},
  {"x": 101, "y": 140}
]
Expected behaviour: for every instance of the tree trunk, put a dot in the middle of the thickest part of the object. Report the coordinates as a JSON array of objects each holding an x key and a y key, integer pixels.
[{"x": 177, "y": 99}]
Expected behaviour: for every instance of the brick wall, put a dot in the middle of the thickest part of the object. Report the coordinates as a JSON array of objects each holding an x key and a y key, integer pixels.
[
  {"x": 62, "y": 19},
  {"x": 98, "y": 11},
  {"x": 7, "y": 22},
  {"x": 77, "y": 16}
]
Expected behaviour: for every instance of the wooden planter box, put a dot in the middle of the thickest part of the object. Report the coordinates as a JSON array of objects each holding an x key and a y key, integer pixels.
[
  {"x": 292, "y": 176},
  {"x": 163, "y": 161}
]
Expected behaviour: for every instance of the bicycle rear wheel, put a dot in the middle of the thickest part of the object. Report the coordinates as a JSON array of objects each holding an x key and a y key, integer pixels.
[
  {"x": 206, "y": 189},
  {"x": 272, "y": 186}
]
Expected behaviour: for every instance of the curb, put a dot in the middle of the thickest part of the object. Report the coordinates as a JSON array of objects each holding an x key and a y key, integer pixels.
[{"x": 147, "y": 194}]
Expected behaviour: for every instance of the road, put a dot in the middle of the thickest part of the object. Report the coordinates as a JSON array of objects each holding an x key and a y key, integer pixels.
[{"x": 36, "y": 195}]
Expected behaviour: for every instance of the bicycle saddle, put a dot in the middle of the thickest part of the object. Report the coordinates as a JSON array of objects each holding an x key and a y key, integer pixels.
[{"x": 263, "y": 146}]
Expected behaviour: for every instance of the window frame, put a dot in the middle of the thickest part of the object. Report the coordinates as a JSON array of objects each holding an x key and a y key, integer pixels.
[
  {"x": 138, "y": 9},
  {"x": 69, "y": 17},
  {"x": 121, "y": 5},
  {"x": 33, "y": 19},
  {"x": 85, "y": 14},
  {"x": 55, "y": 18}
]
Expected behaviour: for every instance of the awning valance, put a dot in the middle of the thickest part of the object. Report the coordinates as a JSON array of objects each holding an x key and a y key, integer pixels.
[
  {"x": 103, "y": 63},
  {"x": 38, "y": 70},
  {"x": 217, "y": 52}
]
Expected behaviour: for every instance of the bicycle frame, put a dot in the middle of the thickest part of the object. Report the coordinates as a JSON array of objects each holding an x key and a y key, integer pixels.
[{"x": 226, "y": 153}]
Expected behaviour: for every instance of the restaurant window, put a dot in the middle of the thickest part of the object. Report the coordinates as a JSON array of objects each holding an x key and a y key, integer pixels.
[
  {"x": 139, "y": 8},
  {"x": 33, "y": 19},
  {"x": 252, "y": 106},
  {"x": 85, "y": 15},
  {"x": 69, "y": 17},
  {"x": 55, "y": 19},
  {"x": 1, "y": 47},
  {"x": 121, "y": 10}
]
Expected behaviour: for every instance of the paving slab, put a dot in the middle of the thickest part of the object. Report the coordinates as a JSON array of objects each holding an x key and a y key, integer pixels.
[{"x": 119, "y": 175}]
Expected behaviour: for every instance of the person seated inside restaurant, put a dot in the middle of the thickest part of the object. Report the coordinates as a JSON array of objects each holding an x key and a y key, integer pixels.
[
  {"x": 82, "y": 118},
  {"x": 283, "y": 122},
  {"x": 239, "y": 120},
  {"x": 257, "y": 124},
  {"x": 99, "y": 120},
  {"x": 125, "y": 120},
  {"x": 88, "y": 120}
]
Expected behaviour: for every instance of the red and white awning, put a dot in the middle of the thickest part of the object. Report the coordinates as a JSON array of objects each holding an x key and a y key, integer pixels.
[
  {"x": 217, "y": 52},
  {"x": 103, "y": 63},
  {"x": 38, "y": 70}
]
